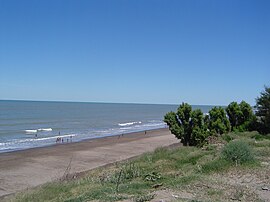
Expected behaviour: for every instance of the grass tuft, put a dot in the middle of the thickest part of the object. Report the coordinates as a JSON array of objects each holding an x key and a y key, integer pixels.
[{"x": 216, "y": 165}]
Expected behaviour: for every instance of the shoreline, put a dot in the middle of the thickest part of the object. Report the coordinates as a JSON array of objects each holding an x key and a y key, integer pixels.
[
  {"x": 82, "y": 140},
  {"x": 23, "y": 169}
]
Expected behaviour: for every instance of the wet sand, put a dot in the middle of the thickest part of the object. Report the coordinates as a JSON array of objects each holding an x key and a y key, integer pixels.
[{"x": 29, "y": 168}]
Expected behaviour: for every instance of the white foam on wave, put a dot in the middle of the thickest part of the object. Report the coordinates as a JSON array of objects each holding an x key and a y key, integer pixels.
[
  {"x": 14, "y": 141},
  {"x": 129, "y": 123},
  {"x": 31, "y": 131},
  {"x": 38, "y": 130},
  {"x": 125, "y": 128},
  {"x": 6, "y": 148},
  {"x": 154, "y": 124},
  {"x": 45, "y": 129}
]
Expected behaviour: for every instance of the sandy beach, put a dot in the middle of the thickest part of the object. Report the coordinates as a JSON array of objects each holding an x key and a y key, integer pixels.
[{"x": 29, "y": 168}]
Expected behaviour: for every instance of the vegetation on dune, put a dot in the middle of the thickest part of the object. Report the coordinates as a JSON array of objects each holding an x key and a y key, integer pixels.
[
  {"x": 218, "y": 122},
  {"x": 187, "y": 124},
  {"x": 241, "y": 116},
  {"x": 238, "y": 152},
  {"x": 193, "y": 127}
]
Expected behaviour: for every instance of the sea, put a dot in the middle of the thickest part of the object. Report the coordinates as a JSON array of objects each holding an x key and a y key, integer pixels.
[{"x": 30, "y": 124}]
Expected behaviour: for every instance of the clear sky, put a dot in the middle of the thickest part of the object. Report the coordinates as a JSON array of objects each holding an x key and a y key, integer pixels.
[{"x": 135, "y": 51}]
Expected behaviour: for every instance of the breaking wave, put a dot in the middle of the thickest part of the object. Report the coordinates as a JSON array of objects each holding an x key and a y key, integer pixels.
[
  {"x": 38, "y": 130},
  {"x": 44, "y": 129},
  {"x": 31, "y": 131},
  {"x": 129, "y": 123}
]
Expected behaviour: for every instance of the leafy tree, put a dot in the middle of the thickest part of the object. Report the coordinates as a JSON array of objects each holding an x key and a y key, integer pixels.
[
  {"x": 184, "y": 115},
  {"x": 247, "y": 117},
  {"x": 199, "y": 130},
  {"x": 241, "y": 116},
  {"x": 172, "y": 121},
  {"x": 234, "y": 113},
  {"x": 263, "y": 111},
  {"x": 187, "y": 125},
  {"x": 218, "y": 122}
]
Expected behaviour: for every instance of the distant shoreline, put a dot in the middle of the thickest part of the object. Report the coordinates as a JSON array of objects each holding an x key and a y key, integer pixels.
[{"x": 83, "y": 140}]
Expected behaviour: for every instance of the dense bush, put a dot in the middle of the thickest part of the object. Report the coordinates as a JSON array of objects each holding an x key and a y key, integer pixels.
[
  {"x": 218, "y": 121},
  {"x": 193, "y": 127},
  {"x": 241, "y": 116},
  {"x": 234, "y": 113},
  {"x": 237, "y": 152},
  {"x": 187, "y": 125}
]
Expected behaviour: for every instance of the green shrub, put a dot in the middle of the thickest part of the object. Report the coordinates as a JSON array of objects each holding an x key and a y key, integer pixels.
[
  {"x": 241, "y": 116},
  {"x": 187, "y": 125},
  {"x": 218, "y": 121},
  {"x": 237, "y": 152}
]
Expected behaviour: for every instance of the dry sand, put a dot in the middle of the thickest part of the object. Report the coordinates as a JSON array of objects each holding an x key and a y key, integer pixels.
[{"x": 29, "y": 168}]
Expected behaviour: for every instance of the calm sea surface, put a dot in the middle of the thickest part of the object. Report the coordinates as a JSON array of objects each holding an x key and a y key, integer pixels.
[{"x": 27, "y": 124}]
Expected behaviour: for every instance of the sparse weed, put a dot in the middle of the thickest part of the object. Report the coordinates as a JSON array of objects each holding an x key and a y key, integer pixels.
[{"x": 131, "y": 170}]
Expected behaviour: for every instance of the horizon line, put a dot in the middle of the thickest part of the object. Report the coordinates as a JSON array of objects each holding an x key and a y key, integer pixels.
[{"x": 104, "y": 102}]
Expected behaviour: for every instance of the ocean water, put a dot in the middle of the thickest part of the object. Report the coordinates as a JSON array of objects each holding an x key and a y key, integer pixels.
[{"x": 29, "y": 124}]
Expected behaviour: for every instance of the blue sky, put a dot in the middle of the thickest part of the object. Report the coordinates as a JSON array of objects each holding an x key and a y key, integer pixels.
[{"x": 134, "y": 51}]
